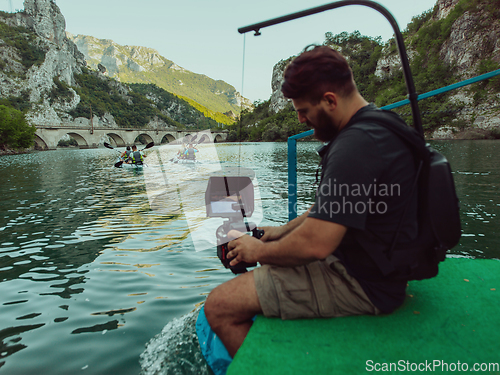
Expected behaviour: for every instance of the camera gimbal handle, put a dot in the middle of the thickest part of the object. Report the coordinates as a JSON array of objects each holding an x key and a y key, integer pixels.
[{"x": 222, "y": 241}]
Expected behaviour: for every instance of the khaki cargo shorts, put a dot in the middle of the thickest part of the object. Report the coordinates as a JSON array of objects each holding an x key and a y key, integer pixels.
[{"x": 321, "y": 289}]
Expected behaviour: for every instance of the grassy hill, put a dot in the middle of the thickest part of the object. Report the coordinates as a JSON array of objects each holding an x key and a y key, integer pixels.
[{"x": 134, "y": 64}]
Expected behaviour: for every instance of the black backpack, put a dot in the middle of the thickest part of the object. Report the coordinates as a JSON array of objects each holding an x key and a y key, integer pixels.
[{"x": 438, "y": 207}]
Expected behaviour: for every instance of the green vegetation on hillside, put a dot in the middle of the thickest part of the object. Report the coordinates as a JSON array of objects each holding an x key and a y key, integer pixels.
[
  {"x": 21, "y": 103},
  {"x": 482, "y": 90},
  {"x": 99, "y": 93},
  {"x": 133, "y": 64},
  {"x": 14, "y": 131},
  {"x": 60, "y": 91},
  {"x": 364, "y": 53},
  {"x": 22, "y": 40},
  {"x": 182, "y": 110},
  {"x": 219, "y": 118},
  {"x": 264, "y": 125},
  {"x": 424, "y": 37},
  {"x": 199, "y": 88}
]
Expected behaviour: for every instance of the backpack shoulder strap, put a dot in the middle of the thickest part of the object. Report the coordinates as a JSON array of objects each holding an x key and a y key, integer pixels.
[{"x": 393, "y": 122}]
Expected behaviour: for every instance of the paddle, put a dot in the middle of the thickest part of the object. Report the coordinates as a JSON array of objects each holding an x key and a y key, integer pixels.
[
  {"x": 107, "y": 145},
  {"x": 201, "y": 140},
  {"x": 192, "y": 139},
  {"x": 119, "y": 163}
]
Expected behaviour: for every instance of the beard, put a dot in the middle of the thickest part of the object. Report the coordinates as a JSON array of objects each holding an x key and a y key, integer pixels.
[{"x": 324, "y": 129}]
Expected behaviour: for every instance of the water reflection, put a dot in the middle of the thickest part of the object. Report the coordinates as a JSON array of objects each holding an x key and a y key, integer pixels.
[
  {"x": 476, "y": 166},
  {"x": 90, "y": 273}
]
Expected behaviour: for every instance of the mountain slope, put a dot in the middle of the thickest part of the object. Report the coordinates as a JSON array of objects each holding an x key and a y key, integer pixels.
[{"x": 133, "y": 64}]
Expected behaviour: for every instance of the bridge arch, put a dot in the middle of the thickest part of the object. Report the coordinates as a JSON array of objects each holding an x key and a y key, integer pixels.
[
  {"x": 47, "y": 137},
  {"x": 82, "y": 142},
  {"x": 167, "y": 138},
  {"x": 119, "y": 142},
  {"x": 40, "y": 143},
  {"x": 146, "y": 136}
]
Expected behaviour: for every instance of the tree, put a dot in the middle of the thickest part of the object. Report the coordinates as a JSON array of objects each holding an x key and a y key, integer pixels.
[{"x": 14, "y": 131}]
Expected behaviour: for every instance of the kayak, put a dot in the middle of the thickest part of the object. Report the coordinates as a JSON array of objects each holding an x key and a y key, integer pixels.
[
  {"x": 184, "y": 161},
  {"x": 119, "y": 162},
  {"x": 131, "y": 166},
  {"x": 128, "y": 166}
]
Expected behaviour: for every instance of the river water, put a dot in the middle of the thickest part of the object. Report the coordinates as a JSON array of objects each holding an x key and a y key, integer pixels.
[{"x": 95, "y": 280}]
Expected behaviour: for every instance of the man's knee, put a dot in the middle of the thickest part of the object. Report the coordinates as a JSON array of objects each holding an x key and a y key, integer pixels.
[
  {"x": 233, "y": 300},
  {"x": 217, "y": 309},
  {"x": 213, "y": 302}
]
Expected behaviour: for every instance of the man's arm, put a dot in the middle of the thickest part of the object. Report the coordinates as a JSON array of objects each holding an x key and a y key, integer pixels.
[{"x": 313, "y": 239}]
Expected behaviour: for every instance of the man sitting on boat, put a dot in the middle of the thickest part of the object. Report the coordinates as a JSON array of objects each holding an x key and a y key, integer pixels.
[{"x": 320, "y": 264}]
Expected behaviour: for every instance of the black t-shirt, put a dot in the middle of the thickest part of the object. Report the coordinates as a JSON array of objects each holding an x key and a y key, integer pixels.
[{"x": 367, "y": 176}]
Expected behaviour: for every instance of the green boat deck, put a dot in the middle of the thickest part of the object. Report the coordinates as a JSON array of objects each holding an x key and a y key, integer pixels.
[{"x": 447, "y": 324}]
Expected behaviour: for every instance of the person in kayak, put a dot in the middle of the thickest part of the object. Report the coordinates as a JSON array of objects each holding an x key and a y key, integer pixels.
[
  {"x": 126, "y": 154},
  {"x": 182, "y": 151},
  {"x": 320, "y": 264},
  {"x": 190, "y": 152},
  {"x": 136, "y": 156}
]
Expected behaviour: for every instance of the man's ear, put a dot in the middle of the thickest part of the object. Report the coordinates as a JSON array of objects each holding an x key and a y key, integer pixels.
[{"x": 331, "y": 99}]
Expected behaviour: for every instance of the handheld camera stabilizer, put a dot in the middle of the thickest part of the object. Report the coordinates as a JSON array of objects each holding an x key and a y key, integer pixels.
[
  {"x": 222, "y": 240},
  {"x": 231, "y": 198}
]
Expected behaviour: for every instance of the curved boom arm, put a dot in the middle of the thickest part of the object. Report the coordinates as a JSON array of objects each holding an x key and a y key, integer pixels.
[{"x": 412, "y": 95}]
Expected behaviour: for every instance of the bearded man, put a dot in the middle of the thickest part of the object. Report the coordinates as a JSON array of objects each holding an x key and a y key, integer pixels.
[{"x": 321, "y": 263}]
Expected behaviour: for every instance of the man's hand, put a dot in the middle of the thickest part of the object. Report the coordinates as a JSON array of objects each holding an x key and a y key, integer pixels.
[
  {"x": 244, "y": 248},
  {"x": 272, "y": 233},
  {"x": 277, "y": 233}
]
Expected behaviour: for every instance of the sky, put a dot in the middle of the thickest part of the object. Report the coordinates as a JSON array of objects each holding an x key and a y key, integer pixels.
[{"x": 202, "y": 35}]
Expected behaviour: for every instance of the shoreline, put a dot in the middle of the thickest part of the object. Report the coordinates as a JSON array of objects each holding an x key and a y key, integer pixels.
[
  {"x": 8, "y": 151},
  {"x": 470, "y": 134},
  {"x": 464, "y": 135}
]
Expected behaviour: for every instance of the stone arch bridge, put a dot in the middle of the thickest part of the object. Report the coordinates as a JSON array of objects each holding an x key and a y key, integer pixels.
[{"x": 47, "y": 137}]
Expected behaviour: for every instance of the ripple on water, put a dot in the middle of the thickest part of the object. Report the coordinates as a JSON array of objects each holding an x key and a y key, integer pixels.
[{"x": 85, "y": 256}]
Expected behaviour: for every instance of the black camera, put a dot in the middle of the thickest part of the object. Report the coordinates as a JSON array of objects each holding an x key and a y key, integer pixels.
[{"x": 231, "y": 198}]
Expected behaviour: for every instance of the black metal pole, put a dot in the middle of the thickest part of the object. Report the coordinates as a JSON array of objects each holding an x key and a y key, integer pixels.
[{"x": 412, "y": 95}]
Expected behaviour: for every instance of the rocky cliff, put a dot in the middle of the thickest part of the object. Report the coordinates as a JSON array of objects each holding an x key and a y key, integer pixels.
[
  {"x": 61, "y": 59},
  {"x": 471, "y": 47},
  {"x": 474, "y": 38},
  {"x": 43, "y": 26},
  {"x": 44, "y": 74}
]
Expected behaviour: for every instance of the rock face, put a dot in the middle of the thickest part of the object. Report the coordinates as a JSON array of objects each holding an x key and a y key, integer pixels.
[
  {"x": 444, "y": 7},
  {"x": 278, "y": 101},
  {"x": 46, "y": 19},
  {"x": 474, "y": 37},
  {"x": 62, "y": 60},
  {"x": 467, "y": 45}
]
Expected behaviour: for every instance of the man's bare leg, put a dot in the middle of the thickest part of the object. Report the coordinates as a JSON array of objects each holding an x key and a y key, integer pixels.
[{"x": 230, "y": 308}]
